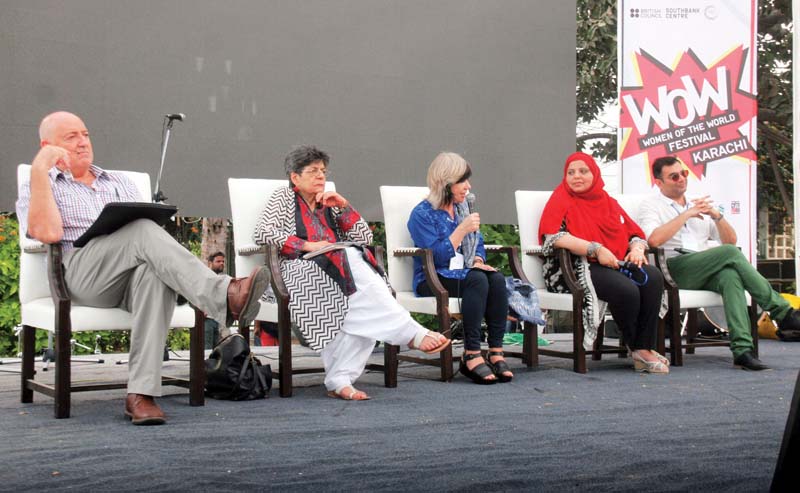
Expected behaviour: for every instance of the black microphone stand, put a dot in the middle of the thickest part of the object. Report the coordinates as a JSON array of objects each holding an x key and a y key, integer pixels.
[{"x": 169, "y": 120}]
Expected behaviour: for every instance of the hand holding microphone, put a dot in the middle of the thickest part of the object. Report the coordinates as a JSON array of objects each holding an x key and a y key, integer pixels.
[{"x": 472, "y": 222}]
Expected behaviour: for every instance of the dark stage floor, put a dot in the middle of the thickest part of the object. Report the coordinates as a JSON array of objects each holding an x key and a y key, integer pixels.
[{"x": 706, "y": 426}]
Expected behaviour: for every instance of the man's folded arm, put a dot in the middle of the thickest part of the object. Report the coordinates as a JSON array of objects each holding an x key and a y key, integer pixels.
[{"x": 43, "y": 218}]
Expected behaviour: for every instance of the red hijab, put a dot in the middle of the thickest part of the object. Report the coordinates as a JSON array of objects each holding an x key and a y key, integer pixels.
[{"x": 591, "y": 215}]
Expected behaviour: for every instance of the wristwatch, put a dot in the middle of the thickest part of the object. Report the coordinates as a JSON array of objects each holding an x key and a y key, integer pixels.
[{"x": 720, "y": 218}]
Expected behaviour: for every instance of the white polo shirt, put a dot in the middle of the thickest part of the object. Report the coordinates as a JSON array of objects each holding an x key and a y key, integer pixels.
[{"x": 696, "y": 234}]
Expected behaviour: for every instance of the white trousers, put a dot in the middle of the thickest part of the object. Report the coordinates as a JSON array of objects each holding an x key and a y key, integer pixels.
[{"x": 374, "y": 315}]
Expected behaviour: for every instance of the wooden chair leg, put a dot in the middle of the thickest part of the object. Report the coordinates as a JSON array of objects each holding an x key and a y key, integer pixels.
[
  {"x": 578, "y": 352},
  {"x": 446, "y": 361},
  {"x": 597, "y": 349},
  {"x": 28, "y": 354},
  {"x": 446, "y": 356},
  {"x": 285, "y": 355},
  {"x": 63, "y": 377},
  {"x": 675, "y": 344},
  {"x": 390, "y": 363},
  {"x": 691, "y": 330},
  {"x": 753, "y": 326},
  {"x": 530, "y": 344},
  {"x": 197, "y": 369},
  {"x": 623, "y": 347}
]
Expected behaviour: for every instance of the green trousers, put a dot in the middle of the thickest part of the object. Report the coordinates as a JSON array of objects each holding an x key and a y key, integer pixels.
[{"x": 725, "y": 270}]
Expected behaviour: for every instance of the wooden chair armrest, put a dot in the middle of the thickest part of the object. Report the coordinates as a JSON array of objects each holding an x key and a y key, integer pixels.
[
  {"x": 565, "y": 263},
  {"x": 253, "y": 249},
  {"x": 533, "y": 251},
  {"x": 55, "y": 273},
  {"x": 407, "y": 252},
  {"x": 429, "y": 268},
  {"x": 35, "y": 247},
  {"x": 274, "y": 263},
  {"x": 661, "y": 263}
]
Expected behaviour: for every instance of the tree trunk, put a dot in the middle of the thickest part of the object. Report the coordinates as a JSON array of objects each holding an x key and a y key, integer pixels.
[{"x": 215, "y": 237}]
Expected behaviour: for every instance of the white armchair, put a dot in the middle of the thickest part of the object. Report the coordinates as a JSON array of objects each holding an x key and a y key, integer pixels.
[
  {"x": 248, "y": 200},
  {"x": 530, "y": 205},
  {"x": 46, "y": 305}
]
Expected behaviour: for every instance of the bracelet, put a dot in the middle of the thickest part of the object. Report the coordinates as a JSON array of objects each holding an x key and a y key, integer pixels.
[{"x": 593, "y": 249}]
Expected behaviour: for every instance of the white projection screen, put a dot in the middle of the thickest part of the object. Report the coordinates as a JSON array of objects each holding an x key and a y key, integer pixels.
[{"x": 382, "y": 85}]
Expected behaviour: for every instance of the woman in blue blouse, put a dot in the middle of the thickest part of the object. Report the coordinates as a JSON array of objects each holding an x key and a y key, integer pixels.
[{"x": 442, "y": 222}]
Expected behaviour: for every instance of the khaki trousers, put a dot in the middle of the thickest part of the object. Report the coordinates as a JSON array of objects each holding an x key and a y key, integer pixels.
[{"x": 141, "y": 268}]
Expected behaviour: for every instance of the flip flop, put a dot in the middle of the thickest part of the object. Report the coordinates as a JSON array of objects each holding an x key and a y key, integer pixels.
[
  {"x": 354, "y": 395},
  {"x": 422, "y": 334}
]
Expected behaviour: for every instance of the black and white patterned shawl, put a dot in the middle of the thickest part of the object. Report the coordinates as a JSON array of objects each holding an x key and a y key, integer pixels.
[
  {"x": 317, "y": 304},
  {"x": 594, "y": 309}
]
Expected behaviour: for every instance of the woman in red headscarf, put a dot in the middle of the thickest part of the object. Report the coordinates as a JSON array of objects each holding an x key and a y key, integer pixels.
[{"x": 582, "y": 218}]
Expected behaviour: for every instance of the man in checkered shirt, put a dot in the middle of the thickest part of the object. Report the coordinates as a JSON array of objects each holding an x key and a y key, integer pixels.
[{"x": 139, "y": 267}]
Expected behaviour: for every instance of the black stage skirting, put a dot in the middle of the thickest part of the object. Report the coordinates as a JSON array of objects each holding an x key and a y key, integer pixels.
[{"x": 704, "y": 427}]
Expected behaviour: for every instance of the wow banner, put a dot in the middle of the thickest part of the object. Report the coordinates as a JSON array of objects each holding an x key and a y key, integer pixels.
[{"x": 687, "y": 81}]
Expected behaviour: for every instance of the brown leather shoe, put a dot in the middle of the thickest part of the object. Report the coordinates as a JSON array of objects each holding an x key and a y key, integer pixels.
[
  {"x": 143, "y": 410},
  {"x": 243, "y": 296}
]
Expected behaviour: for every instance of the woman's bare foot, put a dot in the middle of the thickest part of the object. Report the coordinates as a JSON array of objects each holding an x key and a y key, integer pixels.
[
  {"x": 429, "y": 342},
  {"x": 349, "y": 393}
]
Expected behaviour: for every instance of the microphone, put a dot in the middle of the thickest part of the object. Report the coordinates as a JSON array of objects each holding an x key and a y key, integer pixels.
[
  {"x": 471, "y": 202},
  {"x": 175, "y": 116}
]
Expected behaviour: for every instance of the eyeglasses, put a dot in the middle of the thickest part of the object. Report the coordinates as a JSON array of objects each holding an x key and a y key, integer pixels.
[
  {"x": 677, "y": 175},
  {"x": 316, "y": 171}
]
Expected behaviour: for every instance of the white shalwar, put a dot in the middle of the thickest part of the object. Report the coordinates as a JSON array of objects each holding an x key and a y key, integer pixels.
[{"x": 374, "y": 315}]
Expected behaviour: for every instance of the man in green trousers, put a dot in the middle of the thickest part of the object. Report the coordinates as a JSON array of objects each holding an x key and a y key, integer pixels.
[{"x": 683, "y": 228}]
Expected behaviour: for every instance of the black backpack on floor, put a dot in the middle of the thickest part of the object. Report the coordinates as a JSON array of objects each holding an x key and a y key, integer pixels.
[{"x": 233, "y": 373}]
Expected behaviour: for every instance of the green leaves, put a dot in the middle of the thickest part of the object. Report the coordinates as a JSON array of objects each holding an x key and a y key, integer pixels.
[{"x": 9, "y": 284}]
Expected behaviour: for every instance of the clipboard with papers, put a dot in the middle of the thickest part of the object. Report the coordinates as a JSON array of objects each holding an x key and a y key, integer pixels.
[{"x": 117, "y": 214}]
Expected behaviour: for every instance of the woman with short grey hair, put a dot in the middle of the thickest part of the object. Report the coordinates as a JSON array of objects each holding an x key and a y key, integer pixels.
[{"x": 339, "y": 297}]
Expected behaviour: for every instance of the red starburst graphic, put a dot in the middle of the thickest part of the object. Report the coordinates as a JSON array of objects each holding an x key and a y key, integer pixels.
[{"x": 692, "y": 112}]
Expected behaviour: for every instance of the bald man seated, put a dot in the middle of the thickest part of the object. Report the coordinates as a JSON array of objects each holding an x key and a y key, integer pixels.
[{"x": 139, "y": 267}]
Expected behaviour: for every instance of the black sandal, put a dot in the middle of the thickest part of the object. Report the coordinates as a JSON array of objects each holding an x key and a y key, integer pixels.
[
  {"x": 477, "y": 374},
  {"x": 499, "y": 367}
]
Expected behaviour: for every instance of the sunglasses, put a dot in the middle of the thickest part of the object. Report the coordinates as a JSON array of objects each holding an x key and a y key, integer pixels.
[{"x": 677, "y": 175}]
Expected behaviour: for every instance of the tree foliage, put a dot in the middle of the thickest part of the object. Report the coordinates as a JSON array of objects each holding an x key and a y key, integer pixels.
[
  {"x": 596, "y": 71},
  {"x": 775, "y": 109}
]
